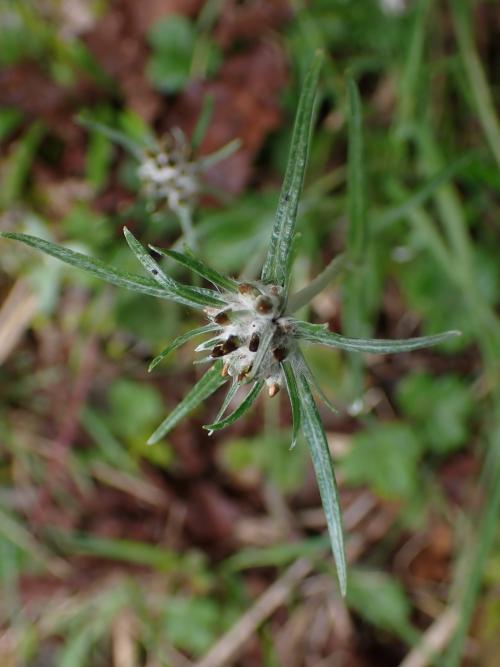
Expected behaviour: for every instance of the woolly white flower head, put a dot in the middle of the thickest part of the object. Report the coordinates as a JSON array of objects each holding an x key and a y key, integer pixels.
[
  {"x": 169, "y": 175},
  {"x": 254, "y": 336}
]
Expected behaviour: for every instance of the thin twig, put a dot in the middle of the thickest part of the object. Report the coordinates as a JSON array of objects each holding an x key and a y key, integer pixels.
[
  {"x": 16, "y": 313},
  {"x": 433, "y": 641},
  {"x": 230, "y": 644}
]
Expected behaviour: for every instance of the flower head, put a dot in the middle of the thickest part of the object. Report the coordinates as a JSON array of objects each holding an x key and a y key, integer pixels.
[{"x": 169, "y": 174}]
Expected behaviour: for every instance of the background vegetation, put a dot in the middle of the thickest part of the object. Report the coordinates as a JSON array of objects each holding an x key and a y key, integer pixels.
[{"x": 210, "y": 551}]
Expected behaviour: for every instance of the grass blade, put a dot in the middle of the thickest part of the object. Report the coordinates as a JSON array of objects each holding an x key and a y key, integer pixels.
[
  {"x": 478, "y": 83},
  {"x": 180, "y": 340},
  {"x": 182, "y": 293},
  {"x": 323, "y": 467},
  {"x": 317, "y": 333},
  {"x": 276, "y": 263},
  {"x": 198, "y": 266},
  {"x": 244, "y": 406},
  {"x": 93, "y": 266},
  {"x": 293, "y": 394},
  {"x": 204, "y": 388},
  {"x": 356, "y": 200}
]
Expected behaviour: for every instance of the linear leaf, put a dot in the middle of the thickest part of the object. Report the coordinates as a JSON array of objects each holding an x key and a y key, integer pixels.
[
  {"x": 204, "y": 388},
  {"x": 190, "y": 296},
  {"x": 198, "y": 266},
  {"x": 322, "y": 462},
  {"x": 206, "y": 161},
  {"x": 244, "y": 406},
  {"x": 356, "y": 201},
  {"x": 317, "y": 333},
  {"x": 265, "y": 341},
  {"x": 309, "y": 375},
  {"x": 180, "y": 340},
  {"x": 276, "y": 263},
  {"x": 307, "y": 294},
  {"x": 227, "y": 400},
  {"x": 94, "y": 266},
  {"x": 113, "y": 134},
  {"x": 293, "y": 394}
]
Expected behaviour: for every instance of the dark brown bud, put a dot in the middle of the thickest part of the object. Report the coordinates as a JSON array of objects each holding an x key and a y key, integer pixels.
[
  {"x": 253, "y": 345},
  {"x": 280, "y": 353},
  {"x": 264, "y": 305},
  {"x": 222, "y": 318},
  {"x": 231, "y": 344},
  {"x": 218, "y": 351},
  {"x": 247, "y": 288}
]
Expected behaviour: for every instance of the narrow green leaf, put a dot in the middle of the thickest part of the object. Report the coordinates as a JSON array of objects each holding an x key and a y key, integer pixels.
[
  {"x": 293, "y": 394},
  {"x": 220, "y": 154},
  {"x": 317, "y": 333},
  {"x": 113, "y": 135},
  {"x": 16, "y": 167},
  {"x": 94, "y": 266},
  {"x": 307, "y": 294},
  {"x": 265, "y": 341},
  {"x": 310, "y": 377},
  {"x": 203, "y": 121},
  {"x": 356, "y": 201},
  {"x": 276, "y": 263},
  {"x": 204, "y": 388},
  {"x": 244, "y": 406},
  {"x": 320, "y": 455},
  {"x": 478, "y": 84},
  {"x": 196, "y": 265},
  {"x": 191, "y": 296},
  {"x": 227, "y": 400},
  {"x": 180, "y": 340}
]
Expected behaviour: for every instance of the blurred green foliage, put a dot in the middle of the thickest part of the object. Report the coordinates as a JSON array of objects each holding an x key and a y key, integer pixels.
[{"x": 432, "y": 184}]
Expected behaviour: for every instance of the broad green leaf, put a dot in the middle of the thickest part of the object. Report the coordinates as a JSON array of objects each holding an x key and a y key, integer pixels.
[
  {"x": 293, "y": 394},
  {"x": 392, "y": 610},
  {"x": 356, "y": 200},
  {"x": 173, "y": 40},
  {"x": 386, "y": 458},
  {"x": 197, "y": 266},
  {"x": 276, "y": 263},
  {"x": 195, "y": 296},
  {"x": 204, "y": 388},
  {"x": 317, "y": 333},
  {"x": 244, "y": 406},
  {"x": 441, "y": 408},
  {"x": 323, "y": 467},
  {"x": 180, "y": 340},
  {"x": 96, "y": 267}
]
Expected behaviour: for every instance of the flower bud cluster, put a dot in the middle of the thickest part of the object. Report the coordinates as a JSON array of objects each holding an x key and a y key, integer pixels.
[
  {"x": 254, "y": 337},
  {"x": 169, "y": 175}
]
